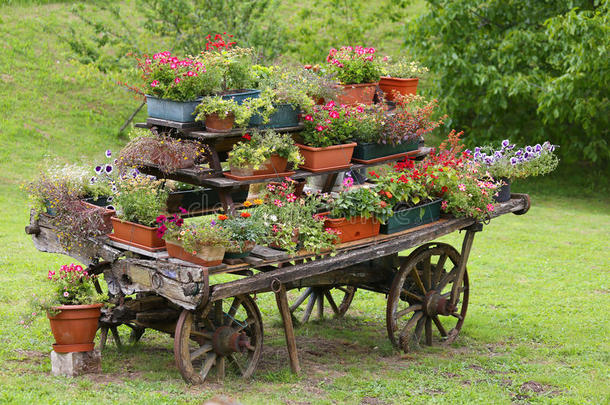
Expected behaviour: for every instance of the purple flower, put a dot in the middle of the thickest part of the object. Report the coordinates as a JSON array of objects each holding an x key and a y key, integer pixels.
[
  {"x": 114, "y": 189},
  {"x": 110, "y": 207},
  {"x": 98, "y": 169},
  {"x": 108, "y": 153},
  {"x": 115, "y": 161},
  {"x": 498, "y": 154},
  {"x": 505, "y": 143},
  {"x": 519, "y": 153},
  {"x": 526, "y": 155},
  {"x": 212, "y": 223},
  {"x": 477, "y": 149},
  {"x": 92, "y": 180},
  {"x": 477, "y": 155},
  {"x": 528, "y": 148},
  {"x": 109, "y": 199},
  {"x": 467, "y": 151},
  {"x": 551, "y": 148},
  {"x": 538, "y": 148},
  {"x": 108, "y": 169},
  {"x": 488, "y": 160},
  {"x": 509, "y": 147},
  {"x": 514, "y": 161}
]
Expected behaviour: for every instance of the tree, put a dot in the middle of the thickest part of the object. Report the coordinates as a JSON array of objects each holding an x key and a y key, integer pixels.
[{"x": 530, "y": 70}]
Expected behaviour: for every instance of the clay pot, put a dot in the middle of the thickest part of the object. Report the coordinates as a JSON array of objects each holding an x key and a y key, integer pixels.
[
  {"x": 353, "y": 229},
  {"x": 351, "y": 94},
  {"x": 207, "y": 256},
  {"x": 214, "y": 123},
  {"x": 136, "y": 234},
  {"x": 74, "y": 327},
  {"x": 328, "y": 158},
  {"x": 392, "y": 85},
  {"x": 275, "y": 164}
]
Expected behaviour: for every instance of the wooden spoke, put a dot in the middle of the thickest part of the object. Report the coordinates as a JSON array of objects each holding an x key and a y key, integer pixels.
[
  {"x": 301, "y": 299},
  {"x": 331, "y": 301},
  {"x": 339, "y": 299},
  {"x": 202, "y": 340},
  {"x": 312, "y": 300},
  {"x": 410, "y": 324}
]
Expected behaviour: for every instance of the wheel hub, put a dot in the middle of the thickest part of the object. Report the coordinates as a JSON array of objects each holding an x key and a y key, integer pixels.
[
  {"x": 435, "y": 304},
  {"x": 227, "y": 341}
]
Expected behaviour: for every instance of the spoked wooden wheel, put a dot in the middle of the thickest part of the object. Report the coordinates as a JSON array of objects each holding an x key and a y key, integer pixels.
[
  {"x": 419, "y": 299},
  {"x": 336, "y": 300},
  {"x": 225, "y": 337}
]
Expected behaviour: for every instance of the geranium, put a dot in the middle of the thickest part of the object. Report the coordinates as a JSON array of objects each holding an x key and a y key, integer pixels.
[
  {"x": 332, "y": 124},
  {"x": 353, "y": 65}
]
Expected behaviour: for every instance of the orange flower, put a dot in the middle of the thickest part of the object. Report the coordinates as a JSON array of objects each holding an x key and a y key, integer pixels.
[
  {"x": 222, "y": 217},
  {"x": 247, "y": 204},
  {"x": 245, "y": 215},
  {"x": 388, "y": 194},
  {"x": 258, "y": 201}
]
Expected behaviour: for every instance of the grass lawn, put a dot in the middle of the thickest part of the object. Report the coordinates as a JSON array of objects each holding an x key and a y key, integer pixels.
[{"x": 537, "y": 329}]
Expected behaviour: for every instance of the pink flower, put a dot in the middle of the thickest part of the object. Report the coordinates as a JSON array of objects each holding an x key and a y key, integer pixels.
[
  {"x": 270, "y": 187},
  {"x": 359, "y": 109},
  {"x": 490, "y": 207},
  {"x": 462, "y": 187},
  {"x": 278, "y": 203},
  {"x": 291, "y": 197},
  {"x": 308, "y": 118},
  {"x": 191, "y": 73},
  {"x": 66, "y": 294},
  {"x": 320, "y": 128},
  {"x": 444, "y": 205},
  {"x": 79, "y": 268},
  {"x": 173, "y": 66},
  {"x": 333, "y": 114},
  {"x": 177, "y": 80},
  {"x": 348, "y": 182}
]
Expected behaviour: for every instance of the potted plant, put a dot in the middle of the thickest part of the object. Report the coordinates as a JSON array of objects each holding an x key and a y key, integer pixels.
[
  {"x": 357, "y": 71},
  {"x": 202, "y": 242},
  {"x": 407, "y": 191},
  {"x": 222, "y": 114},
  {"x": 263, "y": 153},
  {"x": 328, "y": 136},
  {"x": 291, "y": 221},
  {"x": 356, "y": 212},
  {"x": 234, "y": 65},
  {"x": 244, "y": 231},
  {"x": 139, "y": 201},
  {"x": 509, "y": 163},
  {"x": 168, "y": 154},
  {"x": 401, "y": 131},
  {"x": 174, "y": 86},
  {"x": 400, "y": 77},
  {"x": 320, "y": 85},
  {"x": 73, "y": 309}
]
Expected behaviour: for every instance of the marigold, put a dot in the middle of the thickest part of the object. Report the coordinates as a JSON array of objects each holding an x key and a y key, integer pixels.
[
  {"x": 245, "y": 215},
  {"x": 222, "y": 217},
  {"x": 247, "y": 204}
]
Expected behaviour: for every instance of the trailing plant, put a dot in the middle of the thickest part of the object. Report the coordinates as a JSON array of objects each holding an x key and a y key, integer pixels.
[
  {"x": 412, "y": 118},
  {"x": 512, "y": 163},
  {"x": 354, "y": 65},
  {"x": 254, "y": 150},
  {"x": 71, "y": 285},
  {"x": 179, "y": 79},
  {"x": 141, "y": 200},
  {"x": 167, "y": 153},
  {"x": 223, "y": 108},
  {"x": 403, "y": 68}
]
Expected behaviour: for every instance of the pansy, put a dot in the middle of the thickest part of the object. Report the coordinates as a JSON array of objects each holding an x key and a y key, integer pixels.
[{"x": 98, "y": 169}]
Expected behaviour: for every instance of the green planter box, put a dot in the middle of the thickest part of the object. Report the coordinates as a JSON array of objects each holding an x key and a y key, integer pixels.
[
  {"x": 200, "y": 199},
  {"x": 412, "y": 217},
  {"x": 368, "y": 151}
]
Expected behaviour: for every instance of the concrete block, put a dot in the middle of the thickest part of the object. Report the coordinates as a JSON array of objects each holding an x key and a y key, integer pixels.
[{"x": 76, "y": 363}]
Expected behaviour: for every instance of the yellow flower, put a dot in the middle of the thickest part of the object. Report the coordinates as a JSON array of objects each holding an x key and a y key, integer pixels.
[
  {"x": 258, "y": 201},
  {"x": 247, "y": 204}
]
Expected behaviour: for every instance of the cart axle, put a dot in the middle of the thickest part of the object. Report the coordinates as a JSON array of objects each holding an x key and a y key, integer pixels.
[{"x": 226, "y": 341}]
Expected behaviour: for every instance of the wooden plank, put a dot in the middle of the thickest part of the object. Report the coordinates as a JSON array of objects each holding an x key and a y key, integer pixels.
[
  {"x": 291, "y": 345},
  {"x": 267, "y": 253},
  {"x": 142, "y": 252},
  {"x": 150, "y": 122}
]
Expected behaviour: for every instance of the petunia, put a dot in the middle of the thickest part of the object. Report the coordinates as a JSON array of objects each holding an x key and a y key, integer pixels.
[
  {"x": 108, "y": 169},
  {"x": 108, "y": 153},
  {"x": 98, "y": 169}
]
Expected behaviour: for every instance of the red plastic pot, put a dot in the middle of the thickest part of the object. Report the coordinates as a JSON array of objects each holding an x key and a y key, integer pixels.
[
  {"x": 353, "y": 229},
  {"x": 275, "y": 164},
  {"x": 328, "y": 158},
  {"x": 214, "y": 123},
  {"x": 392, "y": 85},
  {"x": 74, "y": 327},
  {"x": 351, "y": 94}
]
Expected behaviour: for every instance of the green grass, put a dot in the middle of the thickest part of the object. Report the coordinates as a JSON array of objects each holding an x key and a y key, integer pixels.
[{"x": 537, "y": 325}]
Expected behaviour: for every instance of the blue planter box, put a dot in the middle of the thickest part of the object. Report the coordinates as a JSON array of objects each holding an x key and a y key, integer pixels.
[
  {"x": 412, "y": 217},
  {"x": 171, "y": 110},
  {"x": 285, "y": 115},
  {"x": 243, "y": 95}
]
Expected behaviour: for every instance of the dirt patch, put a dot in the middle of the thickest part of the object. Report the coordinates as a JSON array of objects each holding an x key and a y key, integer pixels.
[{"x": 371, "y": 401}]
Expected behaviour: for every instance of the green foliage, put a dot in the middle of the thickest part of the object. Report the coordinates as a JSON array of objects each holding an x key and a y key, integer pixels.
[
  {"x": 233, "y": 64},
  {"x": 333, "y": 124},
  {"x": 199, "y": 234},
  {"x": 413, "y": 117},
  {"x": 524, "y": 69},
  {"x": 257, "y": 148},
  {"x": 402, "y": 68},
  {"x": 247, "y": 227},
  {"x": 223, "y": 107},
  {"x": 359, "y": 202},
  {"x": 140, "y": 200},
  {"x": 353, "y": 65}
]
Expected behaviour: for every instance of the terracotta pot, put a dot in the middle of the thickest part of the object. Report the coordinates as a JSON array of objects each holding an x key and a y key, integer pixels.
[
  {"x": 362, "y": 93},
  {"x": 136, "y": 234},
  {"x": 207, "y": 256},
  {"x": 74, "y": 327},
  {"x": 318, "y": 159},
  {"x": 353, "y": 229},
  {"x": 214, "y": 123},
  {"x": 390, "y": 85},
  {"x": 106, "y": 215},
  {"x": 275, "y": 164}
]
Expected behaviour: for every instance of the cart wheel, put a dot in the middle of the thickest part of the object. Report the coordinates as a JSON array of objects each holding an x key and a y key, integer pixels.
[
  {"x": 134, "y": 336},
  {"x": 227, "y": 335},
  {"x": 420, "y": 295},
  {"x": 343, "y": 295}
]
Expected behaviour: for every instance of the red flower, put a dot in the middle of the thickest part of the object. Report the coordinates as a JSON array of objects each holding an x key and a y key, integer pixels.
[
  {"x": 245, "y": 215},
  {"x": 247, "y": 137},
  {"x": 222, "y": 217}
]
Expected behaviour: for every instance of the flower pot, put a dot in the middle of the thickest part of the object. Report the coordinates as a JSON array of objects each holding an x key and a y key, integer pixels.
[
  {"x": 351, "y": 94},
  {"x": 275, "y": 164},
  {"x": 368, "y": 151},
  {"x": 285, "y": 115},
  {"x": 503, "y": 192},
  {"x": 294, "y": 239},
  {"x": 207, "y": 256},
  {"x": 392, "y": 85},
  {"x": 136, "y": 234},
  {"x": 353, "y": 229},
  {"x": 179, "y": 111},
  {"x": 214, "y": 123},
  {"x": 411, "y": 217},
  {"x": 239, "y": 96},
  {"x": 74, "y": 327},
  {"x": 50, "y": 209},
  {"x": 328, "y": 158},
  {"x": 200, "y": 199},
  {"x": 106, "y": 213},
  {"x": 239, "y": 250}
]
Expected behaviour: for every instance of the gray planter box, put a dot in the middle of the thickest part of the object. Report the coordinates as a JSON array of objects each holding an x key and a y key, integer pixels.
[{"x": 171, "y": 110}]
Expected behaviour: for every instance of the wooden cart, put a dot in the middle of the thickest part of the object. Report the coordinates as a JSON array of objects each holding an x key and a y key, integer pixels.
[{"x": 217, "y": 326}]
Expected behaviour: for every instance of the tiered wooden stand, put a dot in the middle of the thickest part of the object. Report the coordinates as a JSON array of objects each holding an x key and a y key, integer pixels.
[{"x": 217, "y": 326}]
